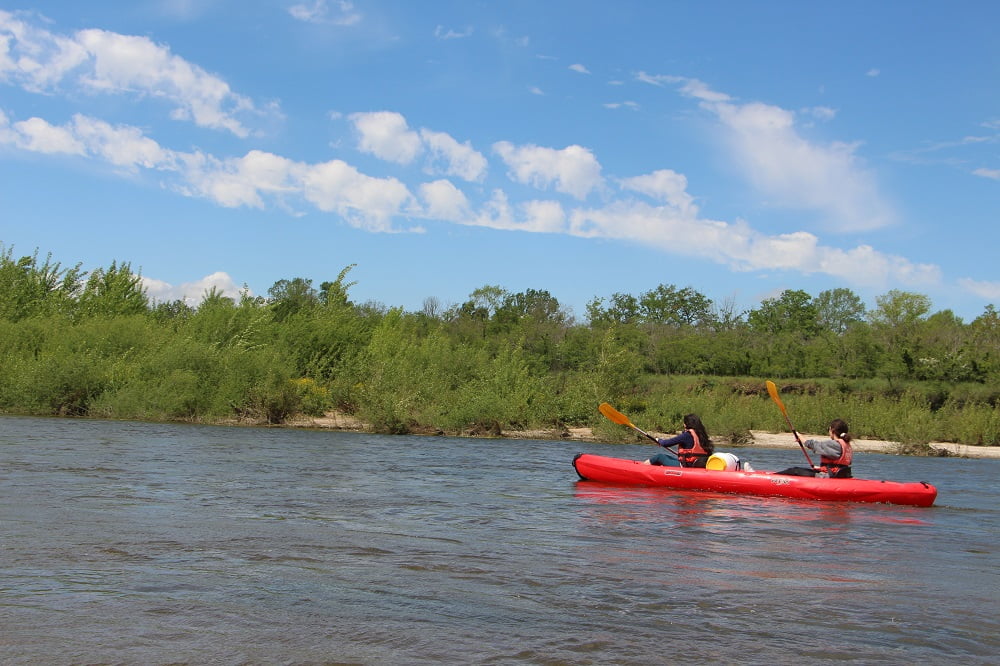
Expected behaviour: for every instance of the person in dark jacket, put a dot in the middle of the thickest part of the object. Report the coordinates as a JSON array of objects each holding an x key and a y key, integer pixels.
[{"x": 693, "y": 445}]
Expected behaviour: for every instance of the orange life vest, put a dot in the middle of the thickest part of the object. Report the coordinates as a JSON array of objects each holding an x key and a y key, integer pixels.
[
  {"x": 841, "y": 465},
  {"x": 696, "y": 456}
]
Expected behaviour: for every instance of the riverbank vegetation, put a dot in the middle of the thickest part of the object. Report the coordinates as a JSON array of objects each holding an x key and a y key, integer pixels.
[{"x": 91, "y": 343}]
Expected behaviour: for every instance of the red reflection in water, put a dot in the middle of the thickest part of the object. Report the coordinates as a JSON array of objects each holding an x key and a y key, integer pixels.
[{"x": 694, "y": 506}]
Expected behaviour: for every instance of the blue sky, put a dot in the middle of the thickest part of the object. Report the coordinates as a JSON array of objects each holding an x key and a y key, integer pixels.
[{"x": 583, "y": 148}]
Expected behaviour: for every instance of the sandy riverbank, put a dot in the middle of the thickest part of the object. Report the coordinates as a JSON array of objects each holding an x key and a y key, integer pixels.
[{"x": 767, "y": 440}]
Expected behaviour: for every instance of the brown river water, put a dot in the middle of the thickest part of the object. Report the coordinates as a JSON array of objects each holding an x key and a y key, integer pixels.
[{"x": 133, "y": 543}]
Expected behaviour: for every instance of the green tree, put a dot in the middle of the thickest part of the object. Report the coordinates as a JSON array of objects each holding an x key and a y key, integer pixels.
[
  {"x": 895, "y": 322},
  {"x": 944, "y": 350},
  {"x": 113, "y": 291},
  {"x": 838, "y": 309},
  {"x": 791, "y": 312},
  {"x": 984, "y": 342},
  {"x": 674, "y": 307},
  {"x": 621, "y": 309},
  {"x": 334, "y": 294},
  {"x": 289, "y": 297},
  {"x": 29, "y": 288}
]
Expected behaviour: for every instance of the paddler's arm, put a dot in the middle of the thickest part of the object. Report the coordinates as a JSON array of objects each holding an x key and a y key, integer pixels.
[
  {"x": 829, "y": 448},
  {"x": 683, "y": 440}
]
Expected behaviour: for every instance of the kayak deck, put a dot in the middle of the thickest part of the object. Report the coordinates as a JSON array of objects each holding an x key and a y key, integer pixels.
[{"x": 591, "y": 467}]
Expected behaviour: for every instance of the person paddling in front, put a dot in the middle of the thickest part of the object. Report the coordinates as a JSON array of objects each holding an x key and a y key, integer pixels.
[
  {"x": 835, "y": 454},
  {"x": 693, "y": 446}
]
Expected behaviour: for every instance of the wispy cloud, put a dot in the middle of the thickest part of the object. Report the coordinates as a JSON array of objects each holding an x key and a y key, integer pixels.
[
  {"x": 984, "y": 289},
  {"x": 669, "y": 220},
  {"x": 653, "y": 209},
  {"x": 992, "y": 174},
  {"x": 741, "y": 248},
  {"x": 101, "y": 62},
  {"x": 440, "y": 32},
  {"x": 622, "y": 105},
  {"x": 324, "y": 12},
  {"x": 793, "y": 171}
]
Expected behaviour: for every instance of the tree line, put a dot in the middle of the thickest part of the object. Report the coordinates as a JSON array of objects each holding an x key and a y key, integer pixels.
[{"x": 92, "y": 343}]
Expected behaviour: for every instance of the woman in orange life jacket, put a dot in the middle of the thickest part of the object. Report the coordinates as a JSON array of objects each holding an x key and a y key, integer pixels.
[
  {"x": 693, "y": 446},
  {"x": 835, "y": 454}
]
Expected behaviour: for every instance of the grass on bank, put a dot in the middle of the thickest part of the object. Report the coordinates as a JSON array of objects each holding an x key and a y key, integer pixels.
[{"x": 914, "y": 414}]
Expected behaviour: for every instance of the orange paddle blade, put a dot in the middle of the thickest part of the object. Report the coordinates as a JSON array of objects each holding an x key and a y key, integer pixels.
[
  {"x": 773, "y": 391},
  {"x": 614, "y": 415}
]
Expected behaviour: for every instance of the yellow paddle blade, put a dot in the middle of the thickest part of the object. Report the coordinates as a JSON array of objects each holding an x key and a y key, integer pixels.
[
  {"x": 614, "y": 415},
  {"x": 773, "y": 391}
]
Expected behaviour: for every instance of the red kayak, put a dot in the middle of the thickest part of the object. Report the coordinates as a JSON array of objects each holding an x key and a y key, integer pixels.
[{"x": 632, "y": 472}]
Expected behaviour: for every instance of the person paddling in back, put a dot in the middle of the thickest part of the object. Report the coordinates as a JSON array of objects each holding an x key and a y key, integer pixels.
[
  {"x": 693, "y": 445},
  {"x": 835, "y": 454}
]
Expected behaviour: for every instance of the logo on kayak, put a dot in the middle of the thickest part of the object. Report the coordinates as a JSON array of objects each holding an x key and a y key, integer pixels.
[{"x": 780, "y": 482}]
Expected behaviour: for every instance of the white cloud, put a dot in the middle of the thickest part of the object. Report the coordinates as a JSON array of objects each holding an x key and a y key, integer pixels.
[
  {"x": 183, "y": 10},
  {"x": 496, "y": 213},
  {"x": 690, "y": 87},
  {"x": 444, "y": 201},
  {"x": 983, "y": 289},
  {"x": 618, "y": 105},
  {"x": 872, "y": 72},
  {"x": 122, "y": 146},
  {"x": 386, "y": 135},
  {"x": 38, "y": 136},
  {"x": 33, "y": 57},
  {"x": 793, "y": 171},
  {"x": 338, "y": 12},
  {"x": 655, "y": 79},
  {"x": 441, "y": 32},
  {"x": 241, "y": 181},
  {"x": 821, "y": 112},
  {"x": 191, "y": 293},
  {"x": 535, "y": 90},
  {"x": 573, "y": 170},
  {"x": 543, "y": 216},
  {"x": 993, "y": 174},
  {"x": 664, "y": 185},
  {"x": 457, "y": 159},
  {"x": 579, "y": 68},
  {"x": 741, "y": 248},
  {"x": 364, "y": 201},
  {"x": 99, "y": 61},
  {"x": 535, "y": 216}
]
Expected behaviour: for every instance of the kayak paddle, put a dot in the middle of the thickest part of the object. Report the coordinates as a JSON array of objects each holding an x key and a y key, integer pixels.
[
  {"x": 773, "y": 391},
  {"x": 617, "y": 417}
]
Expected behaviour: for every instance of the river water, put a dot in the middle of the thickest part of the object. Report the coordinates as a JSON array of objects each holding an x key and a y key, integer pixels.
[{"x": 138, "y": 543}]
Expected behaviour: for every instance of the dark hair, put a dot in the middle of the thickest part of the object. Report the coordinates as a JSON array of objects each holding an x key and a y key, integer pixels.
[
  {"x": 692, "y": 422},
  {"x": 840, "y": 430}
]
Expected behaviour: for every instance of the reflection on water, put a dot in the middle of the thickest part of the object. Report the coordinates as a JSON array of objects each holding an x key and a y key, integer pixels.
[{"x": 146, "y": 543}]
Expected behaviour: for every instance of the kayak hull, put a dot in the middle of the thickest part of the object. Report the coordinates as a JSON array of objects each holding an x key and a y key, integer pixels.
[{"x": 768, "y": 484}]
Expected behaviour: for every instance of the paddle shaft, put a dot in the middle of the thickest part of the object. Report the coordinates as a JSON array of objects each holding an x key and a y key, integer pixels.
[
  {"x": 773, "y": 391},
  {"x": 615, "y": 416}
]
